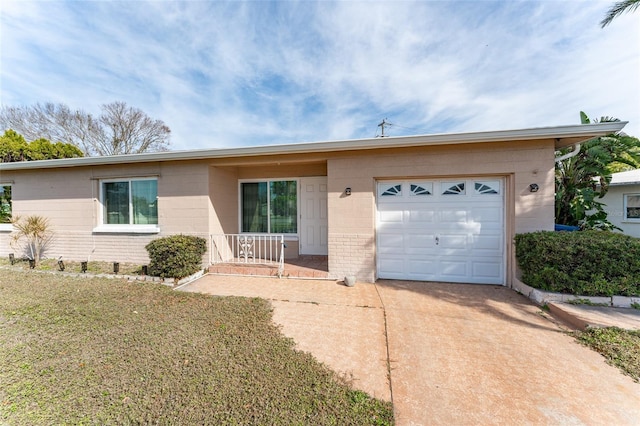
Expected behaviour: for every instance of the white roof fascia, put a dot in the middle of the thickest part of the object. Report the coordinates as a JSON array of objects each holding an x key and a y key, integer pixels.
[
  {"x": 631, "y": 177},
  {"x": 586, "y": 131}
]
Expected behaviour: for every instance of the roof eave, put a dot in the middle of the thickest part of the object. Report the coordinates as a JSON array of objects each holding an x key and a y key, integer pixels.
[{"x": 563, "y": 136}]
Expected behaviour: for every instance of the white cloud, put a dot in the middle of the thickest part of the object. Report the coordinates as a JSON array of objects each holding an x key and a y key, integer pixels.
[{"x": 245, "y": 73}]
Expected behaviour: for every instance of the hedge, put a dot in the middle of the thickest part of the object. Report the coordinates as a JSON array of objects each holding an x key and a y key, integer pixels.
[
  {"x": 590, "y": 263},
  {"x": 176, "y": 256}
]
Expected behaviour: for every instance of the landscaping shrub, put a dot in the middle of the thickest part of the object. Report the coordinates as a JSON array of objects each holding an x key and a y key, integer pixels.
[
  {"x": 591, "y": 263},
  {"x": 35, "y": 231},
  {"x": 176, "y": 256}
]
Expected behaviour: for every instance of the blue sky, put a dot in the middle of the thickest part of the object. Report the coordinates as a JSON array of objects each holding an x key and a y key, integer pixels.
[{"x": 225, "y": 74}]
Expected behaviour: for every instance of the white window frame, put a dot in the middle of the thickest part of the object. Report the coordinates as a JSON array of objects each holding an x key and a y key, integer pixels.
[
  {"x": 624, "y": 207},
  {"x": 123, "y": 228},
  {"x": 288, "y": 237},
  {"x": 7, "y": 227}
]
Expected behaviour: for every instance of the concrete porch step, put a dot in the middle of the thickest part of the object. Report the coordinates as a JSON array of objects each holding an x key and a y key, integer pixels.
[{"x": 290, "y": 271}]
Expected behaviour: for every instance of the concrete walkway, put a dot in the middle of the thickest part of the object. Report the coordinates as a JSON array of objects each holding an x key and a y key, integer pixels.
[
  {"x": 458, "y": 354},
  {"x": 582, "y": 316}
]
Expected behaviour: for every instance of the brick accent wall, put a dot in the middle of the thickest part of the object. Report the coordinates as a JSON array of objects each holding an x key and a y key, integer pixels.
[{"x": 351, "y": 255}]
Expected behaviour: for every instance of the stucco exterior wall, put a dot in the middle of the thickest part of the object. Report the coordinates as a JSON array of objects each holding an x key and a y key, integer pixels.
[
  {"x": 223, "y": 189},
  {"x": 69, "y": 198},
  {"x": 614, "y": 201},
  {"x": 225, "y": 201},
  {"x": 352, "y": 238},
  {"x": 200, "y": 197}
]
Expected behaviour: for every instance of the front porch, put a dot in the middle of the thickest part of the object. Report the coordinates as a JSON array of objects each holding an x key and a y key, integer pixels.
[{"x": 304, "y": 266}]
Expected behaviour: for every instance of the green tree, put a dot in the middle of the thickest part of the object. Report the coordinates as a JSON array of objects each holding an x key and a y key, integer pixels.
[
  {"x": 618, "y": 9},
  {"x": 583, "y": 179},
  {"x": 13, "y": 147}
]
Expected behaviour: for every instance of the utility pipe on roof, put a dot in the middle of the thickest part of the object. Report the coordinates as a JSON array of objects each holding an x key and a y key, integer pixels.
[{"x": 576, "y": 150}]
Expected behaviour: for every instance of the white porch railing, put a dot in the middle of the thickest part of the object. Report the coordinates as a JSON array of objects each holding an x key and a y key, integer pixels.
[{"x": 259, "y": 249}]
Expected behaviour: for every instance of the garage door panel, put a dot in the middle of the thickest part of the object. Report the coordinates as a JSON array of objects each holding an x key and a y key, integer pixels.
[
  {"x": 420, "y": 244},
  {"x": 390, "y": 243},
  {"x": 487, "y": 242},
  {"x": 392, "y": 268},
  {"x": 391, "y": 216},
  {"x": 487, "y": 269},
  {"x": 453, "y": 241},
  {"x": 422, "y": 270},
  {"x": 487, "y": 215},
  {"x": 452, "y": 268},
  {"x": 453, "y": 216},
  {"x": 424, "y": 234},
  {"x": 421, "y": 216}
]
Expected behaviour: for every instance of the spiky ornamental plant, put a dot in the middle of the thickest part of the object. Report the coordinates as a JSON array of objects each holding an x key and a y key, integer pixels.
[
  {"x": 584, "y": 179},
  {"x": 35, "y": 231}
]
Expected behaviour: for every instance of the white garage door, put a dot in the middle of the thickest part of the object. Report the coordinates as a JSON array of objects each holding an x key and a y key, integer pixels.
[{"x": 441, "y": 230}]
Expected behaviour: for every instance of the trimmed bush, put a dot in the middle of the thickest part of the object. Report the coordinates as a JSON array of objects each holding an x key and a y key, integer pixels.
[
  {"x": 176, "y": 256},
  {"x": 590, "y": 263}
]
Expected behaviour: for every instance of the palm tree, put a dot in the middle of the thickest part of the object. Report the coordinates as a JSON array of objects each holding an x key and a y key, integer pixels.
[
  {"x": 583, "y": 179},
  {"x": 618, "y": 9}
]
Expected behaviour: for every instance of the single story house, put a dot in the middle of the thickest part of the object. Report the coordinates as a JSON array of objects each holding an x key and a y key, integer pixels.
[
  {"x": 622, "y": 202},
  {"x": 441, "y": 207}
]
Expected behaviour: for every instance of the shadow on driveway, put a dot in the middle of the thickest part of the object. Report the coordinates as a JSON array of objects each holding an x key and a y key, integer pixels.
[
  {"x": 475, "y": 354},
  {"x": 455, "y": 353}
]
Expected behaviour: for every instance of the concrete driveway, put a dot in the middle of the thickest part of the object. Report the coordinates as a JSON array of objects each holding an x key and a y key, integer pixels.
[{"x": 446, "y": 353}]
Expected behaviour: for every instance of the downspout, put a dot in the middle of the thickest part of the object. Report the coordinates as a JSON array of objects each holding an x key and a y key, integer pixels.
[{"x": 573, "y": 153}]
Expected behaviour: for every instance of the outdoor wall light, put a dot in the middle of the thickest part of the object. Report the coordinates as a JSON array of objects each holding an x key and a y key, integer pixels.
[
  {"x": 347, "y": 191},
  {"x": 83, "y": 266},
  {"x": 534, "y": 187}
]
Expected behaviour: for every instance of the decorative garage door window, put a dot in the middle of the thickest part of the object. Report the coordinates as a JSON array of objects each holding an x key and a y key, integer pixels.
[
  {"x": 423, "y": 188},
  {"x": 391, "y": 190},
  {"x": 487, "y": 187},
  {"x": 451, "y": 188}
]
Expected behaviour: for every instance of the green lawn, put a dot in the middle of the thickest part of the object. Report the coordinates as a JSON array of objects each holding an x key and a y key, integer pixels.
[
  {"x": 93, "y": 267},
  {"x": 621, "y": 348},
  {"x": 101, "y": 351}
]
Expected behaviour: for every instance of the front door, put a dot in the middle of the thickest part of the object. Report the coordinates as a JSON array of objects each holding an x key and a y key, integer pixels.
[{"x": 313, "y": 215}]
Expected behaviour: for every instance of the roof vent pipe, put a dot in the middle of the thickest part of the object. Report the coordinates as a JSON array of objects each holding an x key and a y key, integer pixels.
[{"x": 576, "y": 150}]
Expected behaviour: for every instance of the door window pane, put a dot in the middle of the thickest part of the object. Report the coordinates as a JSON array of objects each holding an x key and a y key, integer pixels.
[
  {"x": 284, "y": 207},
  {"x": 116, "y": 203},
  {"x": 254, "y": 207}
]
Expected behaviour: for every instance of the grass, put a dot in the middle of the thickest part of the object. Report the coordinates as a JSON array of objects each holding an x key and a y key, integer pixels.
[
  {"x": 620, "y": 347},
  {"x": 587, "y": 302},
  {"x": 93, "y": 267},
  {"x": 104, "y": 351}
]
